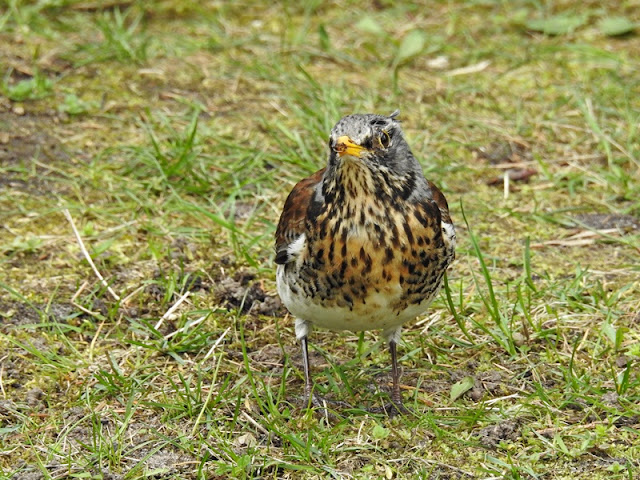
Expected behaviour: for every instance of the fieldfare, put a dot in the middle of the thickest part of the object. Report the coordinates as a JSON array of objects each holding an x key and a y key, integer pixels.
[{"x": 363, "y": 244}]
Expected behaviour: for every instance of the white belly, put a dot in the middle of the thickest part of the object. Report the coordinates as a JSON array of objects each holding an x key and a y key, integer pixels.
[{"x": 375, "y": 313}]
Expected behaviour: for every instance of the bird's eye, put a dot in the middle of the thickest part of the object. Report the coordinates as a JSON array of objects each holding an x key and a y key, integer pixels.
[{"x": 384, "y": 139}]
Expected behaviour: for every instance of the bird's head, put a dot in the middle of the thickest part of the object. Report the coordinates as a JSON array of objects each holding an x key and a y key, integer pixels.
[{"x": 371, "y": 139}]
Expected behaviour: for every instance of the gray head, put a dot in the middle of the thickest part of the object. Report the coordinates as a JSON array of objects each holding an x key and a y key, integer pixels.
[{"x": 377, "y": 140}]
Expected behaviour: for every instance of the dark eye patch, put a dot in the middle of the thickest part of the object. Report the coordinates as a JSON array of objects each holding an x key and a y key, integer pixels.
[
  {"x": 378, "y": 122},
  {"x": 368, "y": 143},
  {"x": 384, "y": 139}
]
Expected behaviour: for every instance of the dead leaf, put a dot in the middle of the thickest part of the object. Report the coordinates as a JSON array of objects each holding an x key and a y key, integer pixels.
[
  {"x": 580, "y": 239},
  {"x": 515, "y": 175}
]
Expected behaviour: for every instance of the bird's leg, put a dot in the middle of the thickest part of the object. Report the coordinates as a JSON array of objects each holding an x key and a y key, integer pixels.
[
  {"x": 396, "y": 397},
  {"x": 310, "y": 398},
  {"x": 308, "y": 385},
  {"x": 395, "y": 407},
  {"x": 302, "y": 331}
]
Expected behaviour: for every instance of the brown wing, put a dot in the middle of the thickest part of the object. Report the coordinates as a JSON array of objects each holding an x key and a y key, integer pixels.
[
  {"x": 438, "y": 197},
  {"x": 292, "y": 220}
]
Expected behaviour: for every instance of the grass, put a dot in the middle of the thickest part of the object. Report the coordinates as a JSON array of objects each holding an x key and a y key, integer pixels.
[{"x": 172, "y": 132}]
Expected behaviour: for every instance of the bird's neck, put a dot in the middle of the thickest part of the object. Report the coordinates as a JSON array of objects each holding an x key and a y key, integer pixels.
[
  {"x": 357, "y": 184},
  {"x": 359, "y": 197},
  {"x": 351, "y": 182}
]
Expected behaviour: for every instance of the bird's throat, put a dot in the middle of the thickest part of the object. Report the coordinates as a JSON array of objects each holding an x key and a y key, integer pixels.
[
  {"x": 353, "y": 193},
  {"x": 354, "y": 181}
]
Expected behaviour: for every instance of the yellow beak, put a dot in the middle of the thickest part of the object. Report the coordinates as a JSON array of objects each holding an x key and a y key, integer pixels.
[{"x": 346, "y": 146}]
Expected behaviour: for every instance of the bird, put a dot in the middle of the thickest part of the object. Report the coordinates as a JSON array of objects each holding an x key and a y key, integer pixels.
[{"x": 364, "y": 243}]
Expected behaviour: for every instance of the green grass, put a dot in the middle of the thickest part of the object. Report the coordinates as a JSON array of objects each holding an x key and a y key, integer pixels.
[{"x": 172, "y": 132}]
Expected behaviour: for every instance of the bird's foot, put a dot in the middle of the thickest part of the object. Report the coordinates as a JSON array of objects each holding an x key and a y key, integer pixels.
[
  {"x": 326, "y": 408},
  {"x": 392, "y": 409},
  {"x": 313, "y": 400}
]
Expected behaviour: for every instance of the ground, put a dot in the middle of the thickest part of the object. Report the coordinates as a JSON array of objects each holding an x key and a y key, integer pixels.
[{"x": 171, "y": 131}]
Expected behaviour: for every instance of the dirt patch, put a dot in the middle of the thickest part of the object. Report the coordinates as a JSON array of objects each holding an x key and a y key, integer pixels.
[
  {"x": 605, "y": 221},
  {"x": 272, "y": 355},
  {"x": 491, "y": 382},
  {"x": 504, "y": 152},
  {"x": 25, "y": 141},
  {"x": 170, "y": 462},
  {"x": 600, "y": 461},
  {"x": 16, "y": 373},
  {"x": 242, "y": 292},
  {"x": 486, "y": 382},
  {"x": 191, "y": 281},
  {"x": 316, "y": 359},
  {"x": 515, "y": 175},
  {"x": 492, "y": 435},
  {"x": 29, "y": 476},
  {"x": 512, "y": 157},
  {"x": 14, "y": 314},
  {"x": 27, "y": 138},
  {"x": 36, "y": 397},
  {"x": 10, "y": 413}
]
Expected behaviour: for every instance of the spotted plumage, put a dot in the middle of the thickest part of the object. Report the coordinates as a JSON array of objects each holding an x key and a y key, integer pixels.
[{"x": 363, "y": 244}]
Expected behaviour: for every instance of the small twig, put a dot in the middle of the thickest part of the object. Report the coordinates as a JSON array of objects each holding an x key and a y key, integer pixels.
[
  {"x": 478, "y": 67},
  {"x": 186, "y": 327},
  {"x": 215, "y": 376},
  {"x": 79, "y": 291},
  {"x": 80, "y": 307},
  {"x": 95, "y": 338},
  {"x": 4, "y": 394},
  {"x": 220, "y": 338},
  {"x": 506, "y": 397},
  {"x": 429, "y": 320},
  {"x": 126, "y": 299},
  {"x": 581, "y": 238},
  {"x": 86, "y": 310},
  {"x": 254, "y": 423},
  {"x": 87, "y": 256},
  {"x": 506, "y": 185},
  {"x": 172, "y": 309}
]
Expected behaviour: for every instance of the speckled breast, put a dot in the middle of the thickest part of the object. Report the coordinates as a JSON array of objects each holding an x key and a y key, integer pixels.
[{"x": 368, "y": 267}]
